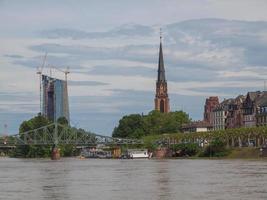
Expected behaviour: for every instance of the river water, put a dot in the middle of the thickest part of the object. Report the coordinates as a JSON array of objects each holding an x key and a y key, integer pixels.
[{"x": 34, "y": 179}]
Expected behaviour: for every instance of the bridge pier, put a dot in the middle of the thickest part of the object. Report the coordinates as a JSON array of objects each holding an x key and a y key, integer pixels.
[{"x": 55, "y": 154}]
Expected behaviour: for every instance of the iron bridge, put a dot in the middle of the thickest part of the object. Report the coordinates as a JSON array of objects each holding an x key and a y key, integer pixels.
[{"x": 57, "y": 134}]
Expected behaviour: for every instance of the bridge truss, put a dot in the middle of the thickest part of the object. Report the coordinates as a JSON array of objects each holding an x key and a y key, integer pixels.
[{"x": 57, "y": 134}]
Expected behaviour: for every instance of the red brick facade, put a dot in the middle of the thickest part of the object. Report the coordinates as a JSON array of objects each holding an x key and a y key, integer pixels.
[
  {"x": 210, "y": 105},
  {"x": 161, "y": 99}
]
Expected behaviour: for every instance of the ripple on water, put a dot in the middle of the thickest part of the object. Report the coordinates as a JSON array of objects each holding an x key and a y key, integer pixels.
[{"x": 132, "y": 179}]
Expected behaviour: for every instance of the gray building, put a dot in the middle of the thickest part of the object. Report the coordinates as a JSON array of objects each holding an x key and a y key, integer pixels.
[
  {"x": 261, "y": 111},
  {"x": 220, "y": 114},
  {"x": 250, "y": 107}
]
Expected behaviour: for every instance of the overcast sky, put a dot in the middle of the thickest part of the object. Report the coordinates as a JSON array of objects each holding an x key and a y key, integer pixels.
[{"x": 210, "y": 48}]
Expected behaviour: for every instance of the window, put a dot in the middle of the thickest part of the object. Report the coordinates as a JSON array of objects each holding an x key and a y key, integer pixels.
[{"x": 162, "y": 105}]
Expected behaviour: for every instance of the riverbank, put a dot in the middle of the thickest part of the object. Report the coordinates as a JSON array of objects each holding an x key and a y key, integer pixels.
[
  {"x": 235, "y": 153},
  {"x": 232, "y": 153},
  {"x": 244, "y": 153}
]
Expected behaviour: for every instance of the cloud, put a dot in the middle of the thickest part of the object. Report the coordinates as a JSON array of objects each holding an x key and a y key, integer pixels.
[
  {"x": 206, "y": 46},
  {"x": 210, "y": 48},
  {"x": 85, "y": 83},
  {"x": 125, "y": 71},
  {"x": 127, "y": 30},
  {"x": 211, "y": 43},
  {"x": 202, "y": 57},
  {"x": 18, "y": 102},
  {"x": 141, "y": 53},
  {"x": 13, "y": 56}
]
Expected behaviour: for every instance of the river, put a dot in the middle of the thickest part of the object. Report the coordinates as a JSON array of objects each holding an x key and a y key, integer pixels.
[{"x": 34, "y": 179}]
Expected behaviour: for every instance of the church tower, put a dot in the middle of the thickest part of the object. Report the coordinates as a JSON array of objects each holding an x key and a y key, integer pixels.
[{"x": 161, "y": 97}]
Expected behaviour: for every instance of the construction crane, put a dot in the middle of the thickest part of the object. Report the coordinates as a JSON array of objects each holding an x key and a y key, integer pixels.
[
  {"x": 39, "y": 72},
  {"x": 66, "y": 72}
]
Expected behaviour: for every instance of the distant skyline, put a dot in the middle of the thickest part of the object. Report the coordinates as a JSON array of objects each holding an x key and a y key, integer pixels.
[{"x": 210, "y": 48}]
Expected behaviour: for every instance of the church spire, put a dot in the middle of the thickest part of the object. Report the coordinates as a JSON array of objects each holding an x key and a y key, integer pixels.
[
  {"x": 161, "y": 70},
  {"x": 161, "y": 97}
]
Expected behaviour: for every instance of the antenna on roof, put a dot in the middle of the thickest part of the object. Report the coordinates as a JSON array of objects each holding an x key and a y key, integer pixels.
[{"x": 264, "y": 85}]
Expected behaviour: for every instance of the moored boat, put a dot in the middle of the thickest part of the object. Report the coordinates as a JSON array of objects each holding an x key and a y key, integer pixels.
[{"x": 138, "y": 153}]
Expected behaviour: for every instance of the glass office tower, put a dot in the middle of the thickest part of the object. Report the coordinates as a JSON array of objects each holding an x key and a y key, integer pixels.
[{"x": 55, "y": 102}]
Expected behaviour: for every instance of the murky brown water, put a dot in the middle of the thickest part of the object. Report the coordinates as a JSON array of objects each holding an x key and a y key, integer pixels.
[{"x": 132, "y": 179}]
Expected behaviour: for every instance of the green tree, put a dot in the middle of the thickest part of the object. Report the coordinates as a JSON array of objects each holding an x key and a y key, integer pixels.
[
  {"x": 216, "y": 148},
  {"x": 32, "y": 151},
  {"x": 180, "y": 118},
  {"x": 34, "y": 123},
  {"x": 62, "y": 121},
  {"x": 130, "y": 126},
  {"x": 155, "y": 123},
  {"x": 185, "y": 149}
]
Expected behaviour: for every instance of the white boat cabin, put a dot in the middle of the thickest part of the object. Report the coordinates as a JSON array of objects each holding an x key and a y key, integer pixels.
[{"x": 138, "y": 153}]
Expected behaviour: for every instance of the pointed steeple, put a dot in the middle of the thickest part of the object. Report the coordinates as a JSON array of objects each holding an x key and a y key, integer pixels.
[
  {"x": 161, "y": 70},
  {"x": 161, "y": 98}
]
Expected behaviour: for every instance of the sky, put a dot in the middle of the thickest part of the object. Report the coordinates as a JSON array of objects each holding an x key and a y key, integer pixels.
[{"x": 211, "y": 48}]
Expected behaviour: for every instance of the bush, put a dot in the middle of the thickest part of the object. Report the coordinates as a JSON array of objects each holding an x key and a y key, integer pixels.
[
  {"x": 149, "y": 142},
  {"x": 186, "y": 149},
  {"x": 216, "y": 148}
]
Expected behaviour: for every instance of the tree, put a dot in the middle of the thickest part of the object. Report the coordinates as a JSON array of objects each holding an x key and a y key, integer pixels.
[
  {"x": 130, "y": 126},
  {"x": 34, "y": 123},
  {"x": 180, "y": 118},
  {"x": 62, "y": 121},
  {"x": 155, "y": 123},
  {"x": 216, "y": 148},
  {"x": 31, "y": 150},
  {"x": 185, "y": 149}
]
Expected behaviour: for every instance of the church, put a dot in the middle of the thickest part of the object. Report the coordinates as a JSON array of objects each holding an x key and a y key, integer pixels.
[{"x": 161, "y": 97}]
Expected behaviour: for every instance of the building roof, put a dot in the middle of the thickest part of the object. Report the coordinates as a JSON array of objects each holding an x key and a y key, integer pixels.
[
  {"x": 51, "y": 79},
  {"x": 197, "y": 124},
  {"x": 257, "y": 97},
  {"x": 228, "y": 101},
  {"x": 262, "y": 100},
  {"x": 212, "y": 99},
  {"x": 254, "y": 95},
  {"x": 224, "y": 104},
  {"x": 161, "y": 70},
  {"x": 241, "y": 98}
]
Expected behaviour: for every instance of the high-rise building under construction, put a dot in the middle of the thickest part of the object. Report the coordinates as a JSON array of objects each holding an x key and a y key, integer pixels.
[{"x": 55, "y": 102}]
